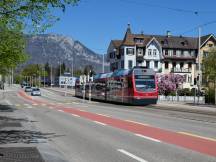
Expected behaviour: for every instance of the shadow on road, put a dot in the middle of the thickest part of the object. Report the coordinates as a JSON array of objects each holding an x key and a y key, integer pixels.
[
  {"x": 25, "y": 136},
  {"x": 6, "y": 108}
]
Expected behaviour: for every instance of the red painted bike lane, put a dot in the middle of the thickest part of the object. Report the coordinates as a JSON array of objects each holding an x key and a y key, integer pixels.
[{"x": 193, "y": 143}]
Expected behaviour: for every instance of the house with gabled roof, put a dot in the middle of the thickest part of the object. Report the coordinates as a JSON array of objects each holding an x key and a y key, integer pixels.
[{"x": 164, "y": 53}]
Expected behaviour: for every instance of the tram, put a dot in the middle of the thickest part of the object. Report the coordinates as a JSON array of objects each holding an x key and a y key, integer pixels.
[{"x": 137, "y": 86}]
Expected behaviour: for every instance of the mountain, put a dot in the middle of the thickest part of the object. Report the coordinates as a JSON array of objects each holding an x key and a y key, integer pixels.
[{"x": 53, "y": 48}]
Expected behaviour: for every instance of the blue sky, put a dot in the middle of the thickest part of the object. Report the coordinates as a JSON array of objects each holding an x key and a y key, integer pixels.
[{"x": 96, "y": 22}]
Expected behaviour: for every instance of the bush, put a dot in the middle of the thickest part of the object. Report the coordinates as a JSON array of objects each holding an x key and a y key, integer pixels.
[
  {"x": 184, "y": 92},
  {"x": 210, "y": 96}
]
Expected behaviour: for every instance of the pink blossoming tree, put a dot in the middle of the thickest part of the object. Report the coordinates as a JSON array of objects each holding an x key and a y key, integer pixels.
[{"x": 168, "y": 83}]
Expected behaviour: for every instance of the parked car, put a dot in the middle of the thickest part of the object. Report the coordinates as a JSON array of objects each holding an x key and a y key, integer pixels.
[
  {"x": 28, "y": 89},
  {"x": 35, "y": 92}
]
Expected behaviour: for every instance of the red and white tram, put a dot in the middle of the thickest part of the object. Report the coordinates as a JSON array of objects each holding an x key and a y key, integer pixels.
[{"x": 137, "y": 86}]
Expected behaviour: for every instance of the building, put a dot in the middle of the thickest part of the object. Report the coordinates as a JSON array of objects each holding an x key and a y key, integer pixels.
[{"x": 164, "y": 53}]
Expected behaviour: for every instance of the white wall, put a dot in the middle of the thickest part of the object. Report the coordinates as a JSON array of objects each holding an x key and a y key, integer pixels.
[
  {"x": 153, "y": 46},
  {"x": 129, "y": 57}
]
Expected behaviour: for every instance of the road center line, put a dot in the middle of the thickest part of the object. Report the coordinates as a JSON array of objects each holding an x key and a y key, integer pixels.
[
  {"x": 194, "y": 135},
  {"x": 132, "y": 155},
  {"x": 100, "y": 123},
  {"x": 137, "y": 122},
  {"x": 149, "y": 138}
]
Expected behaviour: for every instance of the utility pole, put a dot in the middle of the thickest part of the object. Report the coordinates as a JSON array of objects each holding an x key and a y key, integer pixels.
[
  {"x": 103, "y": 63},
  {"x": 51, "y": 74},
  {"x": 44, "y": 76},
  {"x": 199, "y": 65}
]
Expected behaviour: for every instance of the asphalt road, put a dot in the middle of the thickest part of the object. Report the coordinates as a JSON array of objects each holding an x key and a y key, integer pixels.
[{"x": 101, "y": 132}]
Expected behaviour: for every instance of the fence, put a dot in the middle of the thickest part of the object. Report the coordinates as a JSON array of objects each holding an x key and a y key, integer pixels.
[{"x": 188, "y": 99}]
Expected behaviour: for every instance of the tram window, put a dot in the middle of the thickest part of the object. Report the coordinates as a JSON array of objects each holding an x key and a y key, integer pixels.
[{"x": 130, "y": 85}]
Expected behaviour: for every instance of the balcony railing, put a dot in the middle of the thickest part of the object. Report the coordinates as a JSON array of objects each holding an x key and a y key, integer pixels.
[{"x": 181, "y": 70}]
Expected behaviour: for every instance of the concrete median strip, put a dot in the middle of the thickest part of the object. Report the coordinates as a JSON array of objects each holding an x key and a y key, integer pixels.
[{"x": 131, "y": 155}]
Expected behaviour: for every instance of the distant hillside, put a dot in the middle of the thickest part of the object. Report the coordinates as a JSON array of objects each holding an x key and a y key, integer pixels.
[{"x": 54, "y": 48}]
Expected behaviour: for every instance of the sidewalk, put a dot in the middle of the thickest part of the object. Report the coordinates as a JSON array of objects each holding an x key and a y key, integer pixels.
[
  {"x": 188, "y": 107},
  {"x": 20, "y": 139}
]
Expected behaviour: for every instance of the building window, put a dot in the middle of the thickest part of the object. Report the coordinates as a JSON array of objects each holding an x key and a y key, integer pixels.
[
  {"x": 174, "y": 64},
  {"x": 122, "y": 51},
  {"x": 156, "y": 64},
  {"x": 154, "y": 52},
  {"x": 147, "y": 64},
  {"x": 166, "y": 52},
  {"x": 138, "y": 40},
  {"x": 166, "y": 65},
  {"x": 122, "y": 64},
  {"x": 181, "y": 65},
  {"x": 210, "y": 45},
  {"x": 149, "y": 52},
  {"x": 130, "y": 64},
  {"x": 130, "y": 51},
  {"x": 174, "y": 52},
  {"x": 170, "y": 52},
  {"x": 190, "y": 65},
  {"x": 178, "y": 53},
  {"x": 139, "y": 51},
  {"x": 186, "y": 53}
]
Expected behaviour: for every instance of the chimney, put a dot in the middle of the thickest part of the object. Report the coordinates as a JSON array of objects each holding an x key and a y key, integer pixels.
[{"x": 168, "y": 33}]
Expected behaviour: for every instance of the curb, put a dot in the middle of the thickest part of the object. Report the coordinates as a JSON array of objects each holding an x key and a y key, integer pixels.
[{"x": 173, "y": 108}]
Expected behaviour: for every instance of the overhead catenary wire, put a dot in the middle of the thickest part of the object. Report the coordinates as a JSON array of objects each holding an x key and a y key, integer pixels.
[{"x": 144, "y": 3}]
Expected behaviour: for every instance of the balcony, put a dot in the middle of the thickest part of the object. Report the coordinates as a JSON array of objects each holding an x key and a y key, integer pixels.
[{"x": 181, "y": 70}]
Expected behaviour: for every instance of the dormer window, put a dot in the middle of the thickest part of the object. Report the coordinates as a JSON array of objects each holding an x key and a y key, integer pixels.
[
  {"x": 138, "y": 40},
  {"x": 184, "y": 43},
  {"x": 210, "y": 45}
]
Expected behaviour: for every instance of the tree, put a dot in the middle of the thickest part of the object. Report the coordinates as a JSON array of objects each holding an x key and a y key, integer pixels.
[
  {"x": 18, "y": 15},
  {"x": 34, "y": 14},
  {"x": 169, "y": 83},
  {"x": 87, "y": 69},
  {"x": 209, "y": 73},
  {"x": 47, "y": 68},
  {"x": 209, "y": 65},
  {"x": 12, "y": 47}
]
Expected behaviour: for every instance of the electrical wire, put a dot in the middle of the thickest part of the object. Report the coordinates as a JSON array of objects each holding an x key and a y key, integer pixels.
[{"x": 196, "y": 12}]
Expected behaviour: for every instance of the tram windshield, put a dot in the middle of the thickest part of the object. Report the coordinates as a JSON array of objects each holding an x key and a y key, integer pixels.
[{"x": 145, "y": 83}]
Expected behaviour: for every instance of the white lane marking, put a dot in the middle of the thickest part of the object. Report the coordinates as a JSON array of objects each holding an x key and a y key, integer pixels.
[
  {"x": 43, "y": 104},
  {"x": 100, "y": 123},
  {"x": 8, "y": 102},
  {"x": 104, "y": 115},
  {"x": 132, "y": 155},
  {"x": 60, "y": 110},
  {"x": 50, "y": 107},
  {"x": 18, "y": 105},
  {"x": 137, "y": 122},
  {"x": 29, "y": 107},
  {"x": 26, "y": 104},
  {"x": 148, "y": 138},
  {"x": 75, "y": 115},
  {"x": 81, "y": 110},
  {"x": 35, "y": 104}
]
